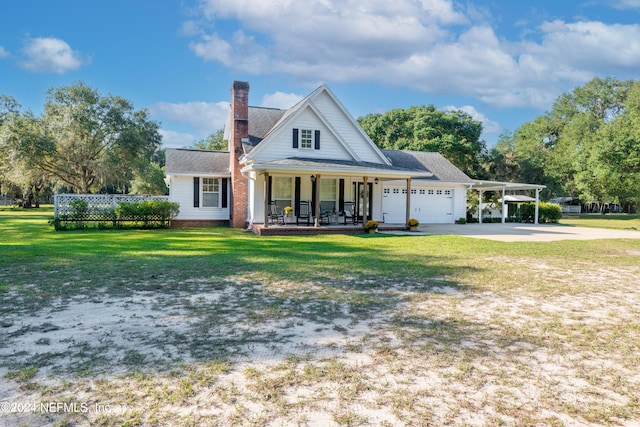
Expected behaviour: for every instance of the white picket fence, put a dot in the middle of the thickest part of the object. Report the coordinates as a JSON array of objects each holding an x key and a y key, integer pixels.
[{"x": 96, "y": 203}]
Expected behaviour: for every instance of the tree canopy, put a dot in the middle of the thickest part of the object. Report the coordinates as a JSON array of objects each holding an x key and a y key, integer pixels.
[
  {"x": 83, "y": 141},
  {"x": 215, "y": 141},
  {"x": 586, "y": 146},
  {"x": 425, "y": 128}
]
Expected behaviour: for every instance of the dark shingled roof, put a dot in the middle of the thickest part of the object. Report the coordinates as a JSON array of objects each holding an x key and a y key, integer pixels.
[
  {"x": 197, "y": 162},
  {"x": 346, "y": 164},
  {"x": 261, "y": 121},
  {"x": 442, "y": 169}
]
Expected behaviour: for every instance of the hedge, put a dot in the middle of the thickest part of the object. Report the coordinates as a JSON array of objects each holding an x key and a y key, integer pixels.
[
  {"x": 140, "y": 214},
  {"x": 547, "y": 212}
]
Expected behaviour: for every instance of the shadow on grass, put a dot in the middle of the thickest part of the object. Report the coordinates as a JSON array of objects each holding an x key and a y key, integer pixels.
[{"x": 265, "y": 289}]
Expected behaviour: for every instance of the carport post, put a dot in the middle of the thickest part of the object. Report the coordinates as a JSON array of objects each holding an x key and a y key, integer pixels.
[
  {"x": 479, "y": 206},
  {"x": 504, "y": 205},
  {"x": 535, "y": 221}
]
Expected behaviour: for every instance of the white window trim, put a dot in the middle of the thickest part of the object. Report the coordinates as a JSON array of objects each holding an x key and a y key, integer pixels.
[
  {"x": 202, "y": 192},
  {"x": 300, "y": 143}
]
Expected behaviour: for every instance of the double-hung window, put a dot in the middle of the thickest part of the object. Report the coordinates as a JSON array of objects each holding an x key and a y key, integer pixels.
[
  {"x": 283, "y": 191},
  {"x": 210, "y": 192},
  {"x": 328, "y": 194},
  {"x": 306, "y": 138}
]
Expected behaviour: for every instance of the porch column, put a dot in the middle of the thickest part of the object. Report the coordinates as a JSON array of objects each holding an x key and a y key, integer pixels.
[
  {"x": 504, "y": 205},
  {"x": 266, "y": 199},
  {"x": 535, "y": 221},
  {"x": 480, "y": 192},
  {"x": 365, "y": 200},
  {"x": 408, "y": 200},
  {"x": 316, "y": 207}
]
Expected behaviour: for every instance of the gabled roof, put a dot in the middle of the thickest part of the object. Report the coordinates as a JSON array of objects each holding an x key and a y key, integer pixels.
[
  {"x": 261, "y": 121},
  {"x": 442, "y": 169},
  {"x": 184, "y": 161},
  {"x": 307, "y": 102}
]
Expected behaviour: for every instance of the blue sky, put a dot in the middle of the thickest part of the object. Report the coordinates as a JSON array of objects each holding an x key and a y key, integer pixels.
[{"x": 502, "y": 61}]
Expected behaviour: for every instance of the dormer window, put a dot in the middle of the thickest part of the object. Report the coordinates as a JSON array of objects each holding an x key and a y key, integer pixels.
[{"x": 306, "y": 136}]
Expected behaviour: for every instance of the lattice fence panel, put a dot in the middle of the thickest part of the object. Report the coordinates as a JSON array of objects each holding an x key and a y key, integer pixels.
[{"x": 99, "y": 207}]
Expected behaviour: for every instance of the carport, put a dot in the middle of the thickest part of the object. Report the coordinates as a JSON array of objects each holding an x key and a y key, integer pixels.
[{"x": 482, "y": 186}]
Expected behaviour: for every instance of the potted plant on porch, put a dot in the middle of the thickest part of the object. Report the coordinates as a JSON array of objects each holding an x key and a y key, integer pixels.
[
  {"x": 371, "y": 226},
  {"x": 288, "y": 211},
  {"x": 413, "y": 224}
]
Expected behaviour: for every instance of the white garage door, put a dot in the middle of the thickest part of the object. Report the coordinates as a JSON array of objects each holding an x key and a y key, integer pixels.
[{"x": 428, "y": 205}]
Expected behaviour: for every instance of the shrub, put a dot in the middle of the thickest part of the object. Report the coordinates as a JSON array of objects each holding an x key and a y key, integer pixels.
[
  {"x": 547, "y": 212},
  {"x": 149, "y": 213},
  {"x": 371, "y": 225},
  {"x": 413, "y": 222}
]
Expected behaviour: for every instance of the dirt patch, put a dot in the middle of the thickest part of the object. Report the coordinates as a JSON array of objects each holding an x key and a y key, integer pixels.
[{"x": 250, "y": 351}]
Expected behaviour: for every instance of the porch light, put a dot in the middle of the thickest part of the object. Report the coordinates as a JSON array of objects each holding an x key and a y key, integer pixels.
[
  {"x": 313, "y": 178},
  {"x": 376, "y": 181}
]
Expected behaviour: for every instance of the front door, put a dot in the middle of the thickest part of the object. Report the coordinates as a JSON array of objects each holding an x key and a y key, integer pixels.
[{"x": 358, "y": 189}]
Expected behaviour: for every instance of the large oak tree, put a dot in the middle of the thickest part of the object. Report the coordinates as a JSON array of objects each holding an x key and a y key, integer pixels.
[{"x": 83, "y": 139}]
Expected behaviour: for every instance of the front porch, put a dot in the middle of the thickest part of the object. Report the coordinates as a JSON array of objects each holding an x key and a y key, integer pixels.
[{"x": 302, "y": 230}]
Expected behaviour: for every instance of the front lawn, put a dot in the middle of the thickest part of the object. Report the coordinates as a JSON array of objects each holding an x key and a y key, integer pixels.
[
  {"x": 617, "y": 221},
  {"x": 216, "y": 326}
]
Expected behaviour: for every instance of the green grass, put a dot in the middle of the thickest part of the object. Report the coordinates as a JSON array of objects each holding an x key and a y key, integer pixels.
[
  {"x": 467, "y": 312},
  {"x": 616, "y": 221}
]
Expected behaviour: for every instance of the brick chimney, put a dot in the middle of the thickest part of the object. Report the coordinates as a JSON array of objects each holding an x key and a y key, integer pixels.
[{"x": 239, "y": 131}]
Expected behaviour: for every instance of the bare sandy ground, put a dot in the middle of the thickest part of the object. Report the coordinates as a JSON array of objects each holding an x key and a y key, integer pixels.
[{"x": 248, "y": 351}]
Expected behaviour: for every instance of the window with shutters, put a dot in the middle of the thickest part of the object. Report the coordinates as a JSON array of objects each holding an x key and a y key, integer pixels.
[
  {"x": 210, "y": 192},
  {"x": 306, "y": 138}
]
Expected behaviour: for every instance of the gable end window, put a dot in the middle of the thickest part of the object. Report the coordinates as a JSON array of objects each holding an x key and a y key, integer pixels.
[{"x": 306, "y": 138}]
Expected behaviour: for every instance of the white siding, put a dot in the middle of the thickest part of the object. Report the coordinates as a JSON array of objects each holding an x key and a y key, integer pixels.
[
  {"x": 460, "y": 203},
  {"x": 334, "y": 138},
  {"x": 280, "y": 144},
  {"x": 181, "y": 191},
  {"x": 346, "y": 128}
]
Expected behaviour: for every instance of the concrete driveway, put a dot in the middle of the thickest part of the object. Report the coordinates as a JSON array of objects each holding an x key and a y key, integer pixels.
[{"x": 512, "y": 232}]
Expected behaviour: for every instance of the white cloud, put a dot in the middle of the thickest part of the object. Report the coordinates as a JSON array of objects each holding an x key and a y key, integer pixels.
[
  {"x": 627, "y": 4},
  {"x": 172, "y": 139},
  {"x": 429, "y": 45},
  {"x": 3, "y": 53},
  {"x": 204, "y": 117},
  {"x": 280, "y": 100},
  {"x": 50, "y": 55},
  {"x": 589, "y": 45},
  {"x": 489, "y": 127}
]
